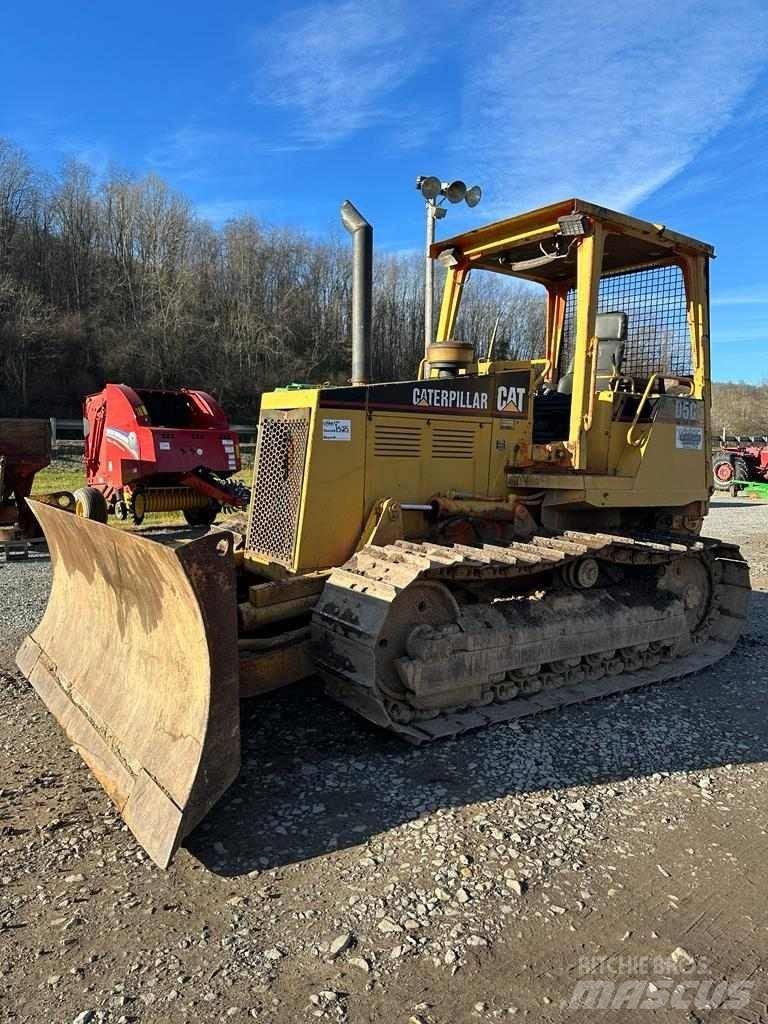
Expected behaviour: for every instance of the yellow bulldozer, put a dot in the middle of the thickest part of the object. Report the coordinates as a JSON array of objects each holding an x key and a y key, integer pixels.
[{"x": 486, "y": 541}]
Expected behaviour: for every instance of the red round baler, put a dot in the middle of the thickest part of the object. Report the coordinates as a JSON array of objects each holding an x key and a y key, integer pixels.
[{"x": 158, "y": 450}]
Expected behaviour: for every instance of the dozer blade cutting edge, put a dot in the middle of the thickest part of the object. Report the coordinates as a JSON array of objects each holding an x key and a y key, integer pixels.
[{"x": 136, "y": 658}]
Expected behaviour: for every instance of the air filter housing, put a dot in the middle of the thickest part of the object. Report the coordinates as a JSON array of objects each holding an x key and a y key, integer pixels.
[{"x": 449, "y": 357}]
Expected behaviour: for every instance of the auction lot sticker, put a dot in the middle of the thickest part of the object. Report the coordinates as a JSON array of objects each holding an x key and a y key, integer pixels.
[
  {"x": 337, "y": 430},
  {"x": 690, "y": 438}
]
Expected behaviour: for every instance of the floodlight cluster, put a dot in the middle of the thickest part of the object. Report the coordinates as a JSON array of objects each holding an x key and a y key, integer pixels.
[{"x": 454, "y": 191}]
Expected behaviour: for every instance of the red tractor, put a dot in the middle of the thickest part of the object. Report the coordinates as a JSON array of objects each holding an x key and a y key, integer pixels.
[
  {"x": 158, "y": 450},
  {"x": 740, "y": 461}
]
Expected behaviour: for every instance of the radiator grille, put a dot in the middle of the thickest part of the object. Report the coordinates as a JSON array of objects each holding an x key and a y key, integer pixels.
[
  {"x": 453, "y": 443},
  {"x": 658, "y": 338},
  {"x": 396, "y": 441},
  {"x": 278, "y": 478}
]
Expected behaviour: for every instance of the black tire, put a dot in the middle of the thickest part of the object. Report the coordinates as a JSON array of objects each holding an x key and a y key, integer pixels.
[
  {"x": 733, "y": 472},
  {"x": 137, "y": 506},
  {"x": 202, "y": 516},
  {"x": 741, "y": 469},
  {"x": 723, "y": 472},
  {"x": 740, "y": 476},
  {"x": 90, "y": 503}
]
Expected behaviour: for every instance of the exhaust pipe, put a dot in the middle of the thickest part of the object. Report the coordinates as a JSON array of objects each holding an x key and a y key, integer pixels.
[{"x": 362, "y": 290}]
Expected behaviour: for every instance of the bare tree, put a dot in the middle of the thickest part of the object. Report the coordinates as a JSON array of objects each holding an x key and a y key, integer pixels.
[
  {"x": 24, "y": 320},
  {"x": 740, "y": 408},
  {"x": 75, "y": 219},
  {"x": 15, "y": 197},
  {"x": 118, "y": 279}
]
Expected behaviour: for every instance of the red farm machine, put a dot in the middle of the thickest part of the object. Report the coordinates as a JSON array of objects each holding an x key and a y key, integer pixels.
[
  {"x": 151, "y": 450},
  {"x": 25, "y": 449},
  {"x": 739, "y": 462}
]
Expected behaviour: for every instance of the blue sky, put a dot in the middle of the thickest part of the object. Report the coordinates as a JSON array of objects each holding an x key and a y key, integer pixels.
[{"x": 283, "y": 110}]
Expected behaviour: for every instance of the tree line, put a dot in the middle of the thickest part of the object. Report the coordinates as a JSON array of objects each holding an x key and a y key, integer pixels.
[
  {"x": 740, "y": 408},
  {"x": 119, "y": 279}
]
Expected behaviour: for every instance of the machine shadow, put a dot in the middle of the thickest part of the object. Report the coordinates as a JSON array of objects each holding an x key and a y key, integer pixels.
[
  {"x": 315, "y": 778},
  {"x": 744, "y": 503}
]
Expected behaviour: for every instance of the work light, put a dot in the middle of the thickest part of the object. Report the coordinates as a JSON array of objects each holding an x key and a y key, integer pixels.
[{"x": 454, "y": 192}]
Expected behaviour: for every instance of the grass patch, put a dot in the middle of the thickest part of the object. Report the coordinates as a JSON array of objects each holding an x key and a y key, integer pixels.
[
  {"x": 67, "y": 473},
  {"x": 63, "y": 474}
]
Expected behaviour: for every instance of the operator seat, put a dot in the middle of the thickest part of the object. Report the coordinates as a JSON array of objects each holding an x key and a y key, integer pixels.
[
  {"x": 552, "y": 410},
  {"x": 611, "y": 334}
]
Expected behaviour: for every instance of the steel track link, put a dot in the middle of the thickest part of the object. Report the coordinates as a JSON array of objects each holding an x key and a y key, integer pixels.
[{"x": 350, "y": 616}]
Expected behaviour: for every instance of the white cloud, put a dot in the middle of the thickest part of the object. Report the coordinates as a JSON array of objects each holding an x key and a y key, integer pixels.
[
  {"x": 94, "y": 156},
  {"x": 337, "y": 64},
  {"x": 186, "y": 145},
  {"x": 196, "y": 153},
  {"x": 536, "y": 99},
  {"x": 219, "y": 211},
  {"x": 603, "y": 100},
  {"x": 192, "y": 151},
  {"x": 757, "y": 296}
]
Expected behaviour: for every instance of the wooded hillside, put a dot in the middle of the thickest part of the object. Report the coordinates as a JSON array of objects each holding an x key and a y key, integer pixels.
[
  {"x": 119, "y": 279},
  {"x": 740, "y": 408}
]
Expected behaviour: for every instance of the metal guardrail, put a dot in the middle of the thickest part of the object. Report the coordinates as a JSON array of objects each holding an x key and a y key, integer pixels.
[
  {"x": 73, "y": 428},
  {"x": 243, "y": 430}
]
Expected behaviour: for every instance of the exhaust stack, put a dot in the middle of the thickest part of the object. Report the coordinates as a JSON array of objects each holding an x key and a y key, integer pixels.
[{"x": 362, "y": 290}]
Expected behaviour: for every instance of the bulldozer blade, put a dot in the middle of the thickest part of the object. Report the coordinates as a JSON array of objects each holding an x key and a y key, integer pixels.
[{"x": 136, "y": 658}]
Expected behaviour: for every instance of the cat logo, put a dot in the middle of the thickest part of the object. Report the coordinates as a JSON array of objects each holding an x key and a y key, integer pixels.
[
  {"x": 510, "y": 399},
  {"x": 423, "y": 400}
]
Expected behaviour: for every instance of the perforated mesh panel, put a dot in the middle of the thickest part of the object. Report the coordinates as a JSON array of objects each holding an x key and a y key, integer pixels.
[
  {"x": 658, "y": 339},
  {"x": 278, "y": 477}
]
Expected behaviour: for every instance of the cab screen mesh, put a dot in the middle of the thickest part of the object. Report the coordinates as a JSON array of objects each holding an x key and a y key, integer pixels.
[{"x": 658, "y": 339}]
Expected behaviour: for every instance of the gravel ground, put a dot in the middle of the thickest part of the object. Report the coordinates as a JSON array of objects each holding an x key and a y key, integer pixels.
[{"x": 346, "y": 877}]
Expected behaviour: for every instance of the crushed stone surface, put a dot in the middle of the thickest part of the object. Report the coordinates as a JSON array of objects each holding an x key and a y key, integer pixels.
[{"x": 348, "y": 877}]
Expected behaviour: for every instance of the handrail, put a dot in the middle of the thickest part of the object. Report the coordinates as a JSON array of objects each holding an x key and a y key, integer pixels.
[
  {"x": 592, "y": 353},
  {"x": 643, "y": 400},
  {"x": 544, "y": 371},
  {"x": 691, "y": 388}
]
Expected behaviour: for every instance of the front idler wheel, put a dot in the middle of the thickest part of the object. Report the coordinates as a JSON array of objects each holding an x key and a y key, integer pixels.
[{"x": 690, "y": 579}]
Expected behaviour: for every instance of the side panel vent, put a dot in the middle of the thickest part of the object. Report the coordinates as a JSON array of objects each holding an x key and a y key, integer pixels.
[
  {"x": 397, "y": 441},
  {"x": 278, "y": 478},
  {"x": 453, "y": 443}
]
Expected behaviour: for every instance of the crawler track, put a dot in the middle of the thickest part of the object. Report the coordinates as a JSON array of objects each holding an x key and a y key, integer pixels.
[{"x": 432, "y": 640}]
